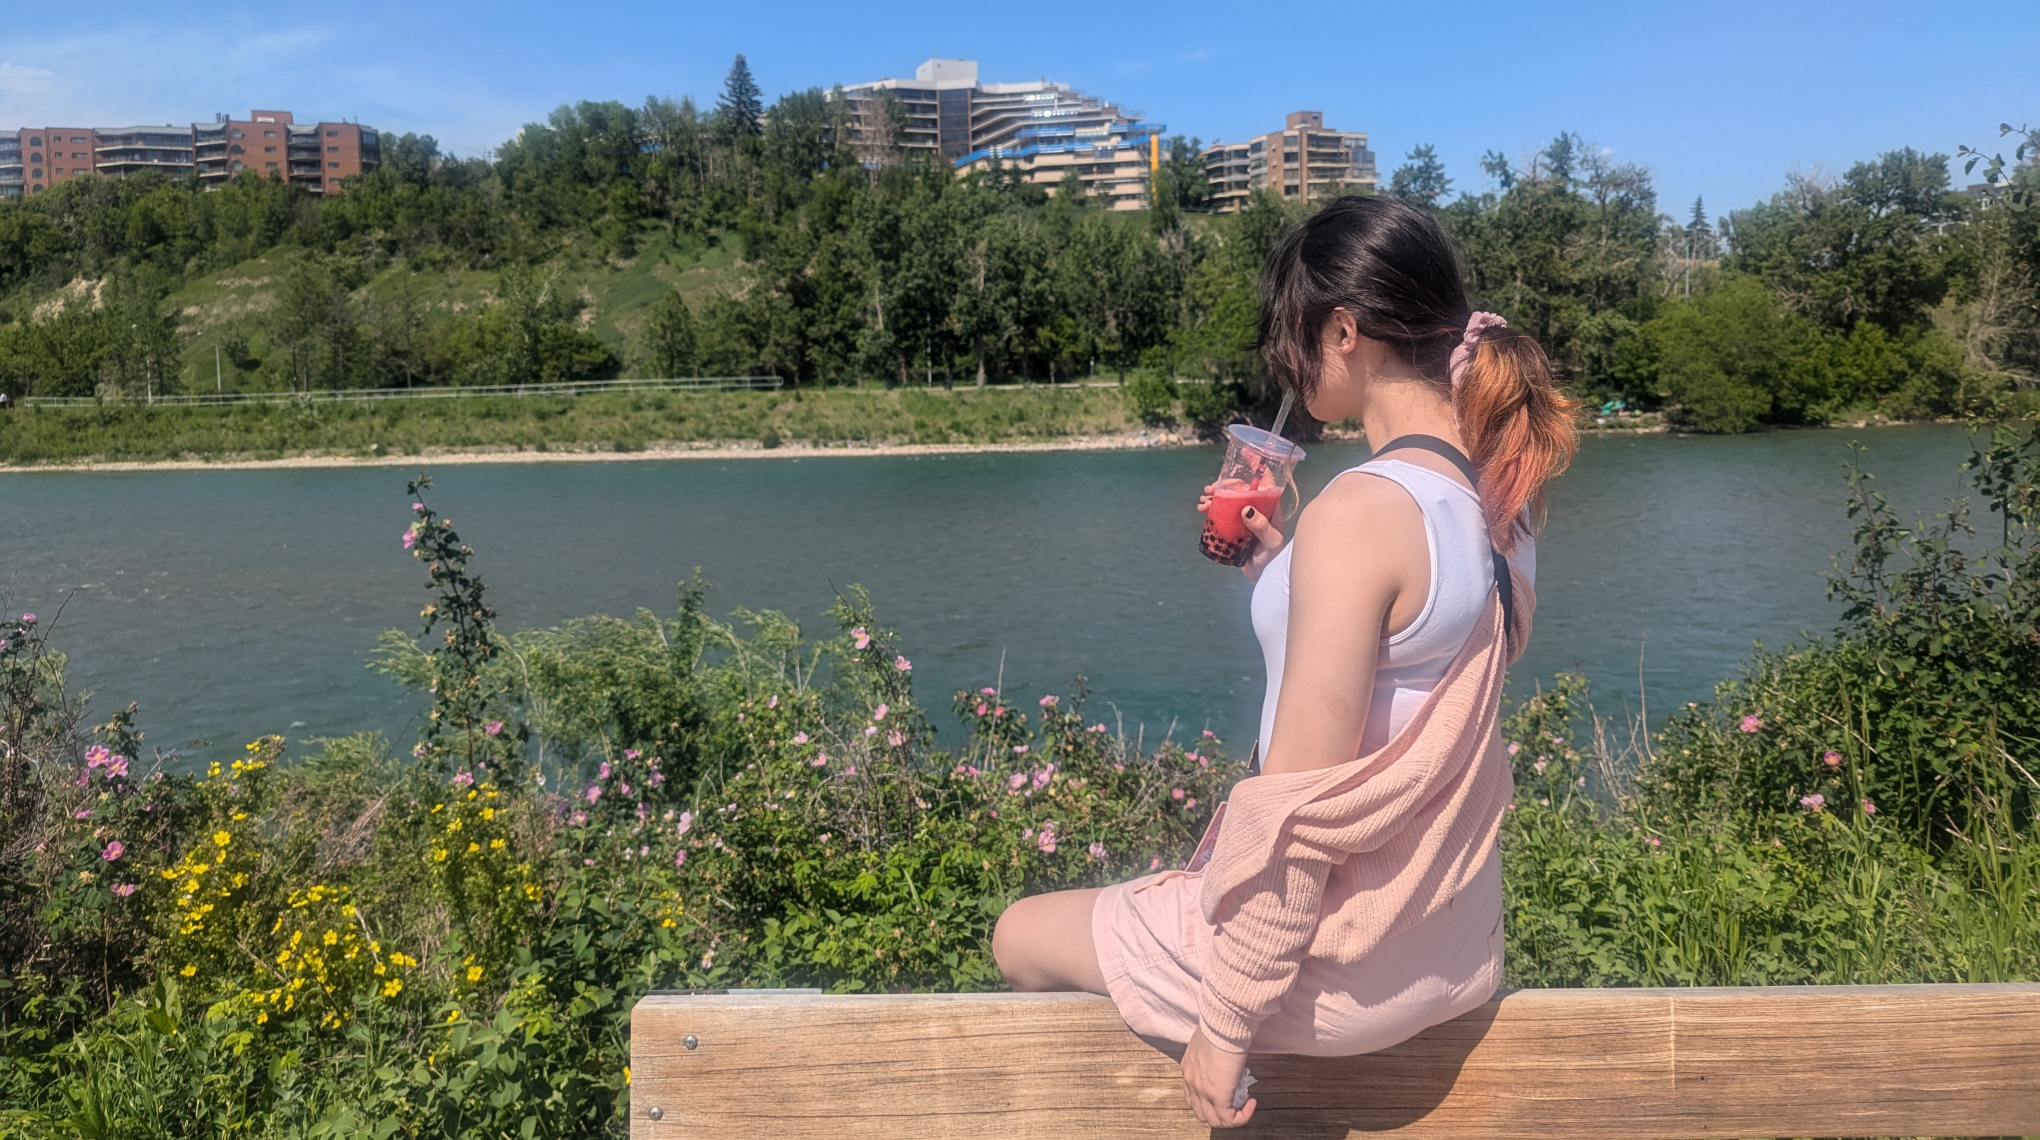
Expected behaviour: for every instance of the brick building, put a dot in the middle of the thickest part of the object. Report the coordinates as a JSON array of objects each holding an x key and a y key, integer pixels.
[
  {"x": 312, "y": 156},
  {"x": 1302, "y": 160}
]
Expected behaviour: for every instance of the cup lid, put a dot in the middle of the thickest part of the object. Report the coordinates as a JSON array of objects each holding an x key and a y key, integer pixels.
[{"x": 1266, "y": 442}]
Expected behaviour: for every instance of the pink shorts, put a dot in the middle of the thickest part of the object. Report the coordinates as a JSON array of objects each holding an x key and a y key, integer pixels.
[{"x": 1152, "y": 940}]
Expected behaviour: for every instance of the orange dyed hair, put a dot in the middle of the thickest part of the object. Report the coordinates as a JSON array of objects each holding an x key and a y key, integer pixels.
[{"x": 1518, "y": 428}]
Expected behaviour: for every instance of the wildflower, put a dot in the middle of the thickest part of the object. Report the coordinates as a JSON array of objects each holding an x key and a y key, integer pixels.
[
  {"x": 862, "y": 640},
  {"x": 800, "y": 738},
  {"x": 1155, "y": 864},
  {"x": 1020, "y": 749},
  {"x": 850, "y": 771},
  {"x": 393, "y": 987},
  {"x": 123, "y": 890},
  {"x": 1515, "y": 747},
  {"x": 894, "y": 738},
  {"x": 1210, "y": 735},
  {"x": 97, "y": 755},
  {"x": 1654, "y": 841},
  {"x": 188, "y": 970},
  {"x": 463, "y": 779},
  {"x": 593, "y": 793},
  {"x": 1831, "y": 759},
  {"x": 493, "y": 728},
  {"x": 989, "y": 691},
  {"x": 983, "y": 708},
  {"x": 1752, "y": 723},
  {"x": 474, "y": 974},
  {"x": 1016, "y": 780},
  {"x": 680, "y": 857},
  {"x": 708, "y": 959},
  {"x": 1098, "y": 728},
  {"x": 1814, "y": 802},
  {"x": 418, "y": 751},
  {"x": 1049, "y": 702},
  {"x": 819, "y": 760},
  {"x": 902, "y": 664},
  {"x": 1095, "y": 851},
  {"x": 686, "y": 822},
  {"x": 602, "y": 772},
  {"x": 82, "y": 813},
  {"x": 578, "y": 819},
  {"x": 1540, "y": 766},
  {"x": 623, "y": 789},
  {"x": 1869, "y": 808},
  {"x": 772, "y": 702},
  {"x": 879, "y": 713},
  {"x": 870, "y": 730},
  {"x": 418, "y": 507},
  {"x": 1175, "y": 793},
  {"x": 410, "y": 539},
  {"x": 28, "y": 619},
  {"x": 740, "y": 718}
]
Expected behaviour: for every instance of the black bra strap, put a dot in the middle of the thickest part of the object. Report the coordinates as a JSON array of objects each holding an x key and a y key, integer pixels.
[{"x": 1457, "y": 458}]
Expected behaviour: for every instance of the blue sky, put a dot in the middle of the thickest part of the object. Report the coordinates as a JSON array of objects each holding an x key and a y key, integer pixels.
[{"x": 1722, "y": 100}]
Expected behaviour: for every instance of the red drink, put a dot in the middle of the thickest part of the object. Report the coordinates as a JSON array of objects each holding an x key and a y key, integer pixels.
[
  {"x": 1256, "y": 472},
  {"x": 1226, "y": 537}
]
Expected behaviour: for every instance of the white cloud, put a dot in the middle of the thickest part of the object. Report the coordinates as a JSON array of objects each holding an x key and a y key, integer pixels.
[{"x": 24, "y": 80}]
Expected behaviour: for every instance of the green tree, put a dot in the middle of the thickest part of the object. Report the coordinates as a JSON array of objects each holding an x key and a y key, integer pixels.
[
  {"x": 669, "y": 338},
  {"x": 1422, "y": 179},
  {"x": 1732, "y": 359},
  {"x": 742, "y": 107}
]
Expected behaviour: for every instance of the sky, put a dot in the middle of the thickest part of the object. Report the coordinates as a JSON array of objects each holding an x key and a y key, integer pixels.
[{"x": 1722, "y": 100}]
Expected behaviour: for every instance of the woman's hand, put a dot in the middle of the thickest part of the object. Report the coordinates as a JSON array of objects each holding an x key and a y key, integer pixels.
[
  {"x": 1268, "y": 540},
  {"x": 1210, "y": 1074}
]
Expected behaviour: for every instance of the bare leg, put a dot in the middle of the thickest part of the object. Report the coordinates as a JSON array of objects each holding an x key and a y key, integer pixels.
[{"x": 1043, "y": 944}]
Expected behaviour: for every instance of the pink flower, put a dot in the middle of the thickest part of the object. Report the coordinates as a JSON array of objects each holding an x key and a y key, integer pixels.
[
  {"x": 1869, "y": 808},
  {"x": 1017, "y": 780},
  {"x": 680, "y": 857},
  {"x": 463, "y": 779},
  {"x": 894, "y": 738},
  {"x": 631, "y": 754},
  {"x": 1095, "y": 850},
  {"x": 988, "y": 691},
  {"x": 862, "y": 638},
  {"x": 1048, "y": 702},
  {"x": 124, "y": 890},
  {"x": 1831, "y": 759},
  {"x": 1814, "y": 802},
  {"x": 800, "y": 738},
  {"x": 419, "y": 507},
  {"x": 983, "y": 708},
  {"x": 818, "y": 761},
  {"x": 1515, "y": 747},
  {"x": 1175, "y": 793},
  {"x": 740, "y": 718},
  {"x": 28, "y": 619},
  {"x": 113, "y": 851},
  {"x": 117, "y": 766},
  {"x": 1097, "y": 728},
  {"x": 686, "y": 821},
  {"x": 493, "y": 728},
  {"x": 1210, "y": 735},
  {"x": 850, "y": 770},
  {"x": 1654, "y": 841},
  {"x": 97, "y": 754},
  {"x": 1020, "y": 749},
  {"x": 623, "y": 788},
  {"x": 1540, "y": 766},
  {"x": 602, "y": 771},
  {"x": 871, "y": 730},
  {"x": 593, "y": 793},
  {"x": 82, "y": 813},
  {"x": 1155, "y": 864},
  {"x": 1752, "y": 723},
  {"x": 410, "y": 539},
  {"x": 578, "y": 819},
  {"x": 902, "y": 664},
  {"x": 880, "y": 711}
]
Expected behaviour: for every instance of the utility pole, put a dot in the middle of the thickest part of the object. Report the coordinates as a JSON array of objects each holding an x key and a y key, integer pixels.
[{"x": 219, "y": 381}]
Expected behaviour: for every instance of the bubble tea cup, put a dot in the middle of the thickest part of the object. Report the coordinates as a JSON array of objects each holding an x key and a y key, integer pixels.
[{"x": 1257, "y": 470}]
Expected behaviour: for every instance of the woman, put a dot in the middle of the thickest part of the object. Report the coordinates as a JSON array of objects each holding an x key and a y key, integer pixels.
[{"x": 1353, "y": 897}]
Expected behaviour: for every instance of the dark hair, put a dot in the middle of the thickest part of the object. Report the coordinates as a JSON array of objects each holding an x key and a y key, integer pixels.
[{"x": 1389, "y": 264}]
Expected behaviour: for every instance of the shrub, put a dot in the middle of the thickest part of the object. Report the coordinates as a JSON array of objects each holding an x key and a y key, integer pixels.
[{"x": 1154, "y": 399}]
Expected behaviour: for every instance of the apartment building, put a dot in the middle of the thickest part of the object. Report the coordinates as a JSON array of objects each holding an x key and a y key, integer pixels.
[
  {"x": 1304, "y": 159},
  {"x": 1040, "y": 129},
  {"x": 312, "y": 156}
]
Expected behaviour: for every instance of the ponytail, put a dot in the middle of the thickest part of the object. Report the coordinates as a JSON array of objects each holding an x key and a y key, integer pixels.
[{"x": 1518, "y": 429}]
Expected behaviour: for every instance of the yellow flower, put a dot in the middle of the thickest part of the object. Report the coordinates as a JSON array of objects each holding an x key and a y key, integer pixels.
[
  {"x": 668, "y": 923},
  {"x": 474, "y": 974},
  {"x": 222, "y": 838},
  {"x": 331, "y": 938},
  {"x": 453, "y": 1015},
  {"x": 262, "y": 1017},
  {"x": 189, "y": 970},
  {"x": 439, "y": 854},
  {"x": 393, "y": 987},
  {"x": 239, "y": 816},
  {"x": 488, "y": 813},
  {"x": 496, "y": 844}
]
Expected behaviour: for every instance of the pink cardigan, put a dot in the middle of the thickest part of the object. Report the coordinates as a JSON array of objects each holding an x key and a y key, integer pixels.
[{"x": 1328, "y": 864}]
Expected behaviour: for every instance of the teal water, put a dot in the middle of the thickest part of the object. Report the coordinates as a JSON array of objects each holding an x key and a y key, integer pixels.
[{"x": 234, "y": 603}]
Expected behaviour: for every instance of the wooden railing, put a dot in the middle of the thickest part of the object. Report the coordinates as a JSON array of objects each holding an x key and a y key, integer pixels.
[{"x": 1530, "y": 1065}]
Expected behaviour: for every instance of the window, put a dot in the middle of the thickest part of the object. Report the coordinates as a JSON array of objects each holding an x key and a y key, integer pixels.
[
  {"x": 268, "y": 134},
  {"x": 332, "y": 166},
  {"x": 332, "y": 134},
  {"x": 37, "y": 174},
  {"x": 35, "y": 157},
  {"x": 235, "y": 135},
  {"x": 332, "y": 150},
  {"x": 270, "y": 165},
  {"x": 36, "y": 141},
  {"x": 268, "y": 150},
  {"x": 38, "y": 186}
]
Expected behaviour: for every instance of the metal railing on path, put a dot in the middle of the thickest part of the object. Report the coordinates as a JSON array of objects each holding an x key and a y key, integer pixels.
[{"x": 362, "y": 395}]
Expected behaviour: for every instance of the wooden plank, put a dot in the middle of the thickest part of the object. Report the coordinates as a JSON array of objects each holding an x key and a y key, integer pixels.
[{"x": 1531, "y": 1065}]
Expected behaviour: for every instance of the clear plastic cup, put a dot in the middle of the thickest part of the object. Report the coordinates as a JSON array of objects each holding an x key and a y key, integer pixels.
[{"x": 1257, "y": 470}]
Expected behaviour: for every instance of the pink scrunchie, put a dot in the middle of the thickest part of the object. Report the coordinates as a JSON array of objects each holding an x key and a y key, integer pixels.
[{"x": 1475, "y": 326}]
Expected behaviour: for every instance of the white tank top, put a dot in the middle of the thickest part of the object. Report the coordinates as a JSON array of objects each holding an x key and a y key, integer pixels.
[{"x": 1412, "y": 662}]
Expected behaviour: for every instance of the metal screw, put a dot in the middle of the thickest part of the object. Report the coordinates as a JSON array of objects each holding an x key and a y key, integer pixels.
[
  {"x": 657, "y": 1113},
  {"x": 691, "y": 1041}
]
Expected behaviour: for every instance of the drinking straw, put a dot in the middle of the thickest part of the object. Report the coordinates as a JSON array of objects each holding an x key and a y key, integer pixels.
[{"x": 1282, "y": 415}]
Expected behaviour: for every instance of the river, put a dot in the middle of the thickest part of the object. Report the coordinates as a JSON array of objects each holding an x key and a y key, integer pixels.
[{"x": 235, "y": 603}]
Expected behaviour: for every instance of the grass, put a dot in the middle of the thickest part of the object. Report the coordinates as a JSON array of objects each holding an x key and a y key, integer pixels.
[{"x": 620, "y": 421}]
